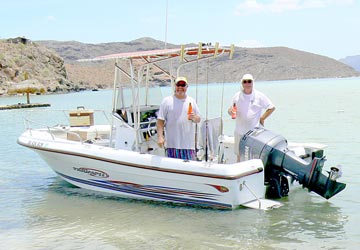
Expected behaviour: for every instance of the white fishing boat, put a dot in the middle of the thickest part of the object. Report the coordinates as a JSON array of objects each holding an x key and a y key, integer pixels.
[{"x": 122, "y": 157}]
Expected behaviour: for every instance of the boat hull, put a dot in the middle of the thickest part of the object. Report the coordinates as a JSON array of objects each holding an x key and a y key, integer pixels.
[{"x": 134, "y": 175}]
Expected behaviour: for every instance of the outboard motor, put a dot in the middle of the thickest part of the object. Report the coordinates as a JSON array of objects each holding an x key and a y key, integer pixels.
[{"x": 281, "y": 163}]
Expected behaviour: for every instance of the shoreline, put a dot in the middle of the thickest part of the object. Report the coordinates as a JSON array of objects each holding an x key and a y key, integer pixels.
[{"x": 24, "y": 105}]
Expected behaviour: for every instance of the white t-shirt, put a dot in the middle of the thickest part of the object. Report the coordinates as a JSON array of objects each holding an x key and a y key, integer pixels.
[
  {"x": 249, "y": 109},
  {"x": 179, "y": 131}
]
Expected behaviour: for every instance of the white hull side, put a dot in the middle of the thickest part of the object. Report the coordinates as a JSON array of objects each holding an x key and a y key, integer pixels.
[{"x": 142, "y": 176}]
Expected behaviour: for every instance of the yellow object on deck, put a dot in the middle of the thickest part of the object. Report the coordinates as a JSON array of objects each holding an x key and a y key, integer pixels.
[{"x": 81, "y": 117}]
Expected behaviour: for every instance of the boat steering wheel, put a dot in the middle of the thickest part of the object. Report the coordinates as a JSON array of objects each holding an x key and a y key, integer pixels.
[{"x": 151, "y": 130}]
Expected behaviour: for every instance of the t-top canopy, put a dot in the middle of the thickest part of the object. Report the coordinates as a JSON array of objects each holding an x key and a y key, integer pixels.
[{"x": 167, "y": 53}]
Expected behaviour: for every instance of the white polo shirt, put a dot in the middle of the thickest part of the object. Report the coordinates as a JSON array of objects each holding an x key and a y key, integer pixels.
[
  {"x": 179, "y": 131},
  {"x": 249, "y": 110}
]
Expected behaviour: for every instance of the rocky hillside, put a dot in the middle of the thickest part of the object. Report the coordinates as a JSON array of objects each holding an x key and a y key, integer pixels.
[
  {"x": 54, "y": 64},
  {"x": 22, "y": 60}
]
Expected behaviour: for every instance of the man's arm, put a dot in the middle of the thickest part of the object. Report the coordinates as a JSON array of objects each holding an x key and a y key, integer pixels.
[
  {"x": 267, "y": 113},
  {"x": 160, "y": 132}
]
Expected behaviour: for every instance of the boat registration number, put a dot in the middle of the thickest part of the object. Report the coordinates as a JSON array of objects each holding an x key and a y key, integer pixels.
[{"x": 36, "y": 144}]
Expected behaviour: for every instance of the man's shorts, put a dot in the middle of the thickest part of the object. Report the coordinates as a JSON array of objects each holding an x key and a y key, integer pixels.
[{"x": 185, "y": 154}]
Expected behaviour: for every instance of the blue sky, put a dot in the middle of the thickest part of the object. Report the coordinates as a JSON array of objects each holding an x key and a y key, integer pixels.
[{"x": 325, "y": 27}]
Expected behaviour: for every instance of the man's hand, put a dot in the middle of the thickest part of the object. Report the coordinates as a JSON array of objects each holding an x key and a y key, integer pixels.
[{"x": 161, "y": 141}]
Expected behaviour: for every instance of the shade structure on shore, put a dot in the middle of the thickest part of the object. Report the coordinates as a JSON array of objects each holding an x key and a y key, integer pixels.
[{"x": 29, "y": 87}]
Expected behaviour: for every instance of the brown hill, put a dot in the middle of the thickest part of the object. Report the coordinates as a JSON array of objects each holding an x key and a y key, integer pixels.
[
  {"x": 273, "y": 63},
  {"x": 53, "y": 63},
  {"x": 22, "y": 59}
]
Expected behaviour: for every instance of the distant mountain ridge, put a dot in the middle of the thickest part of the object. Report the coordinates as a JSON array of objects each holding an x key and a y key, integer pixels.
[
  {"x": 54, "y": 64},
  {"x": 71, "y": 51},
  {"x": 352, "y": 61},
  {"x": 272, "y": 63}
]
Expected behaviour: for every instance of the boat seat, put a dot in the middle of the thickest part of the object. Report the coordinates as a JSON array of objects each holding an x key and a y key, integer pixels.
[{"x": 88, "y": 133}]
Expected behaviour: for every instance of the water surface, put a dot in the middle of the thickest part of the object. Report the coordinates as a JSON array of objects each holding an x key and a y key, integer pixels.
[{"x": 40, "y": 211}]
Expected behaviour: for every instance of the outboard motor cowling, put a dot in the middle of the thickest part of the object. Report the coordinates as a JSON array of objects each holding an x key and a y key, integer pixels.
[{"x": 281, "y": 162}]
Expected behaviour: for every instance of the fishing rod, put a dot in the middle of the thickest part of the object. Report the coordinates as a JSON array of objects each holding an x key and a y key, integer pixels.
[
  {"x": 196, "y": 99},
  {"x": 220, "y": 152},
  {"x": 207, "y": 110}
]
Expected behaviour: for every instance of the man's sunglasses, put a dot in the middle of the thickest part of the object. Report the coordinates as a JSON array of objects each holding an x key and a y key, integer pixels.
[{"x": 181, "y": 84}]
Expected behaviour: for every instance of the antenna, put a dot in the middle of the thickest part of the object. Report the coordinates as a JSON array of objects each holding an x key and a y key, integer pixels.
[{"x": 166, "y": 22}]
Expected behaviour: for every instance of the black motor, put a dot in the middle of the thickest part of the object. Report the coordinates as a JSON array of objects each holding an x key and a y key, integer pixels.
[{"x": 281, "y": 163}]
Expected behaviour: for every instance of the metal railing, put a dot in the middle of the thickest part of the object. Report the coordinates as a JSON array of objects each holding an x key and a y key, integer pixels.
[{"x": 30, "y": 124}]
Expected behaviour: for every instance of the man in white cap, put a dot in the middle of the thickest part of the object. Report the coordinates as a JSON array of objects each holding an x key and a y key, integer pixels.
[
  {"x": 248, "y": 104},
  {"x": 177, "y": 116}
]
